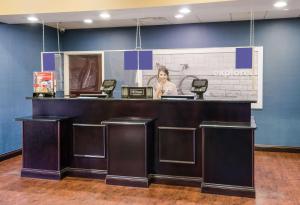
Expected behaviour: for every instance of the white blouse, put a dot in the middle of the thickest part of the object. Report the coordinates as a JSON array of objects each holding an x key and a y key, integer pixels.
[{"x": 169, "y": 88}]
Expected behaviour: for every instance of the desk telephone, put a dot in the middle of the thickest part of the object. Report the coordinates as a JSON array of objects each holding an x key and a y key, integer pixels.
[
  {"x": 199, "y": 86},
  {"x": 108, "y": 87}
]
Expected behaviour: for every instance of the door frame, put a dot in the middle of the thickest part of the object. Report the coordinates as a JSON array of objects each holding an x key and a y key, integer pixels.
[{"x": 67, "y": 70}]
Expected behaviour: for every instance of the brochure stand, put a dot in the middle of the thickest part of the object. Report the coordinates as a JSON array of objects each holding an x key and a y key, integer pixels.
[{"x": 43, "y": 84}]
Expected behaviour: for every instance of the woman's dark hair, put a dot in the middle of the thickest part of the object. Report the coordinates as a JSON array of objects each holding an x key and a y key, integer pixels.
[{"x": 163, "y": 69}]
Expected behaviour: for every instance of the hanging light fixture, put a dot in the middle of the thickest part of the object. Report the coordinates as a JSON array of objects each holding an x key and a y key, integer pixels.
[{"x": 32, "y": 19}]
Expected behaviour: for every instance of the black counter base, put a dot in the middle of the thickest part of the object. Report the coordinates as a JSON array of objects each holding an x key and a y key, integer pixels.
[
  {"x": 127, "y": 181},
  {"x": 87, "y": 173},
  {"x": 228, "y": 190},
  {"x": 176, "y": 180},
  {"x": 43, "y": 174}
]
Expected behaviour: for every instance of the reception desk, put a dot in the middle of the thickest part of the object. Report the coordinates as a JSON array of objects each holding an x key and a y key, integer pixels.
[{"x": 179, "y": 145}]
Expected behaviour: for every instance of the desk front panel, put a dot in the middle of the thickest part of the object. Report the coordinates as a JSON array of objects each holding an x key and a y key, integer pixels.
[{"x": 178, "y": 120}]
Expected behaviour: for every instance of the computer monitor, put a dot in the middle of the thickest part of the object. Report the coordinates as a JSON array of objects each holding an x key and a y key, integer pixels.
[
  {"x": 177, "y": 97},
  {"x": 199, "y": 86}
]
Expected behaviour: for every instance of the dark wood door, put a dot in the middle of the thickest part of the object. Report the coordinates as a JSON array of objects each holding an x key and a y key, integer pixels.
[{"x": 85, "y": 73}]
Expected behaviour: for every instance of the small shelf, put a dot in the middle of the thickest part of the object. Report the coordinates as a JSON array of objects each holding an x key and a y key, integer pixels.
[
  {"x": 128, "y": 121},
  {"x": 42, "y": 118},
  {"x": 229, "y": 125}
]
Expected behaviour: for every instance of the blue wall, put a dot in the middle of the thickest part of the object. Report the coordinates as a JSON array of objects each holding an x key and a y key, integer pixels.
[
  {"x": 20, "y": 47},
  {"x": 279, "y": 121},
  {"x": 170, "y": 36}
]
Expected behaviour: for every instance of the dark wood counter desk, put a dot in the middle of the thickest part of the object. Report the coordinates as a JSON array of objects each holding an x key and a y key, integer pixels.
[
  {"x": 45, "y": 146},
  {"x": 228, "y": 157},
  {"x": 130, "y": 151},
  {"x": 177, "y": 138}
]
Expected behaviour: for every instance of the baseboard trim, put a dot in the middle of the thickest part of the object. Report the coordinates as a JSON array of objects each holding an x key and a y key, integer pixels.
[
  {"x": 274, "y": 148},
  {"x": 230, "y": 190},
  {"x": 11, "y": 154},
  {"x": 43, "y": 174},
  {"x": 87, "y": 173},
  {"x": 176, "y": 180},
  {"x": 127, "y": 181}
]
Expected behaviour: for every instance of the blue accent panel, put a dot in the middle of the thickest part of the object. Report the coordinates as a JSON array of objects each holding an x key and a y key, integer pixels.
[
  {"x": 145, "y": 60},
  {"x": 20, "y": 49},
  {"x": 243, "y": 58},
  {"x": 130, "y": 60},
  {"x": 49, "y": 61},
  {"x": 278, "y": 122}
]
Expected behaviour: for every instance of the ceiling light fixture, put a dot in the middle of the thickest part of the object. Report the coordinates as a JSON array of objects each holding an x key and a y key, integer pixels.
[
  {"x": 105, "y": 15},
  {"x": 32, "y": 19},
  {"x": 280, "y": 4},
  {"x": 184, "y": 10},
  {"x": 179, "y": 16},
  {"x": 88, "y": 21}
]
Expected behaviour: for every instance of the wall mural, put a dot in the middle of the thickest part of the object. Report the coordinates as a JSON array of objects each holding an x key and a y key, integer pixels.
[{"x": 217, "y": 65}]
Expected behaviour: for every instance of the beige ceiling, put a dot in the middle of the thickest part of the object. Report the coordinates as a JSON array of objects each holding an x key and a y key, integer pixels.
[
  {"x": 13, "y": 7},
  {"x": 208, "y": 12}
]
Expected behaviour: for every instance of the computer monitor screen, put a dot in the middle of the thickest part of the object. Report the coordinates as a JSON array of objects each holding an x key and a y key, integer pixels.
[{"x": 199, "y": 83}]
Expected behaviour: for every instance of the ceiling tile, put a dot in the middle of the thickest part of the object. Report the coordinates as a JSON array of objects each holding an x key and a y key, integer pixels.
[
  {"x": 240, "y": 16},
  {"x": 154, "y": 21},
  {"x": 260, "y": 15},
  {"x": 282, "y": 14},
  {"x": 187, "y": 19},
  {"x": 214, "y": 17}
]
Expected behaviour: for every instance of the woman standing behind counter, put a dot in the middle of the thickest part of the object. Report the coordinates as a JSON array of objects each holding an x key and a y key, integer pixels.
[{"x": 164, "y": 85}]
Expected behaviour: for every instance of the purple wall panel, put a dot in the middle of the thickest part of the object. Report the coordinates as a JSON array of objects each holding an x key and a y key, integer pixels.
[
  {"x": 130, "y": 60},
  {"x": 145, "y": 60},
  {"x": 49, "y": 61},
  {"x": 243, "y": 58}
]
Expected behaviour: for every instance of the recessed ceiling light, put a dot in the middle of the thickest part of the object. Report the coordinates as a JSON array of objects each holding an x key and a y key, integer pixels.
[
  {"x": 280, "y": 4},
  {"x": 184, "y": 10},
  {"x": 105, "y": 15},
  {"x": 88, "y": 21},
  {"x": 179, "y": 16},
  {"x": 32, "y": 19}
]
